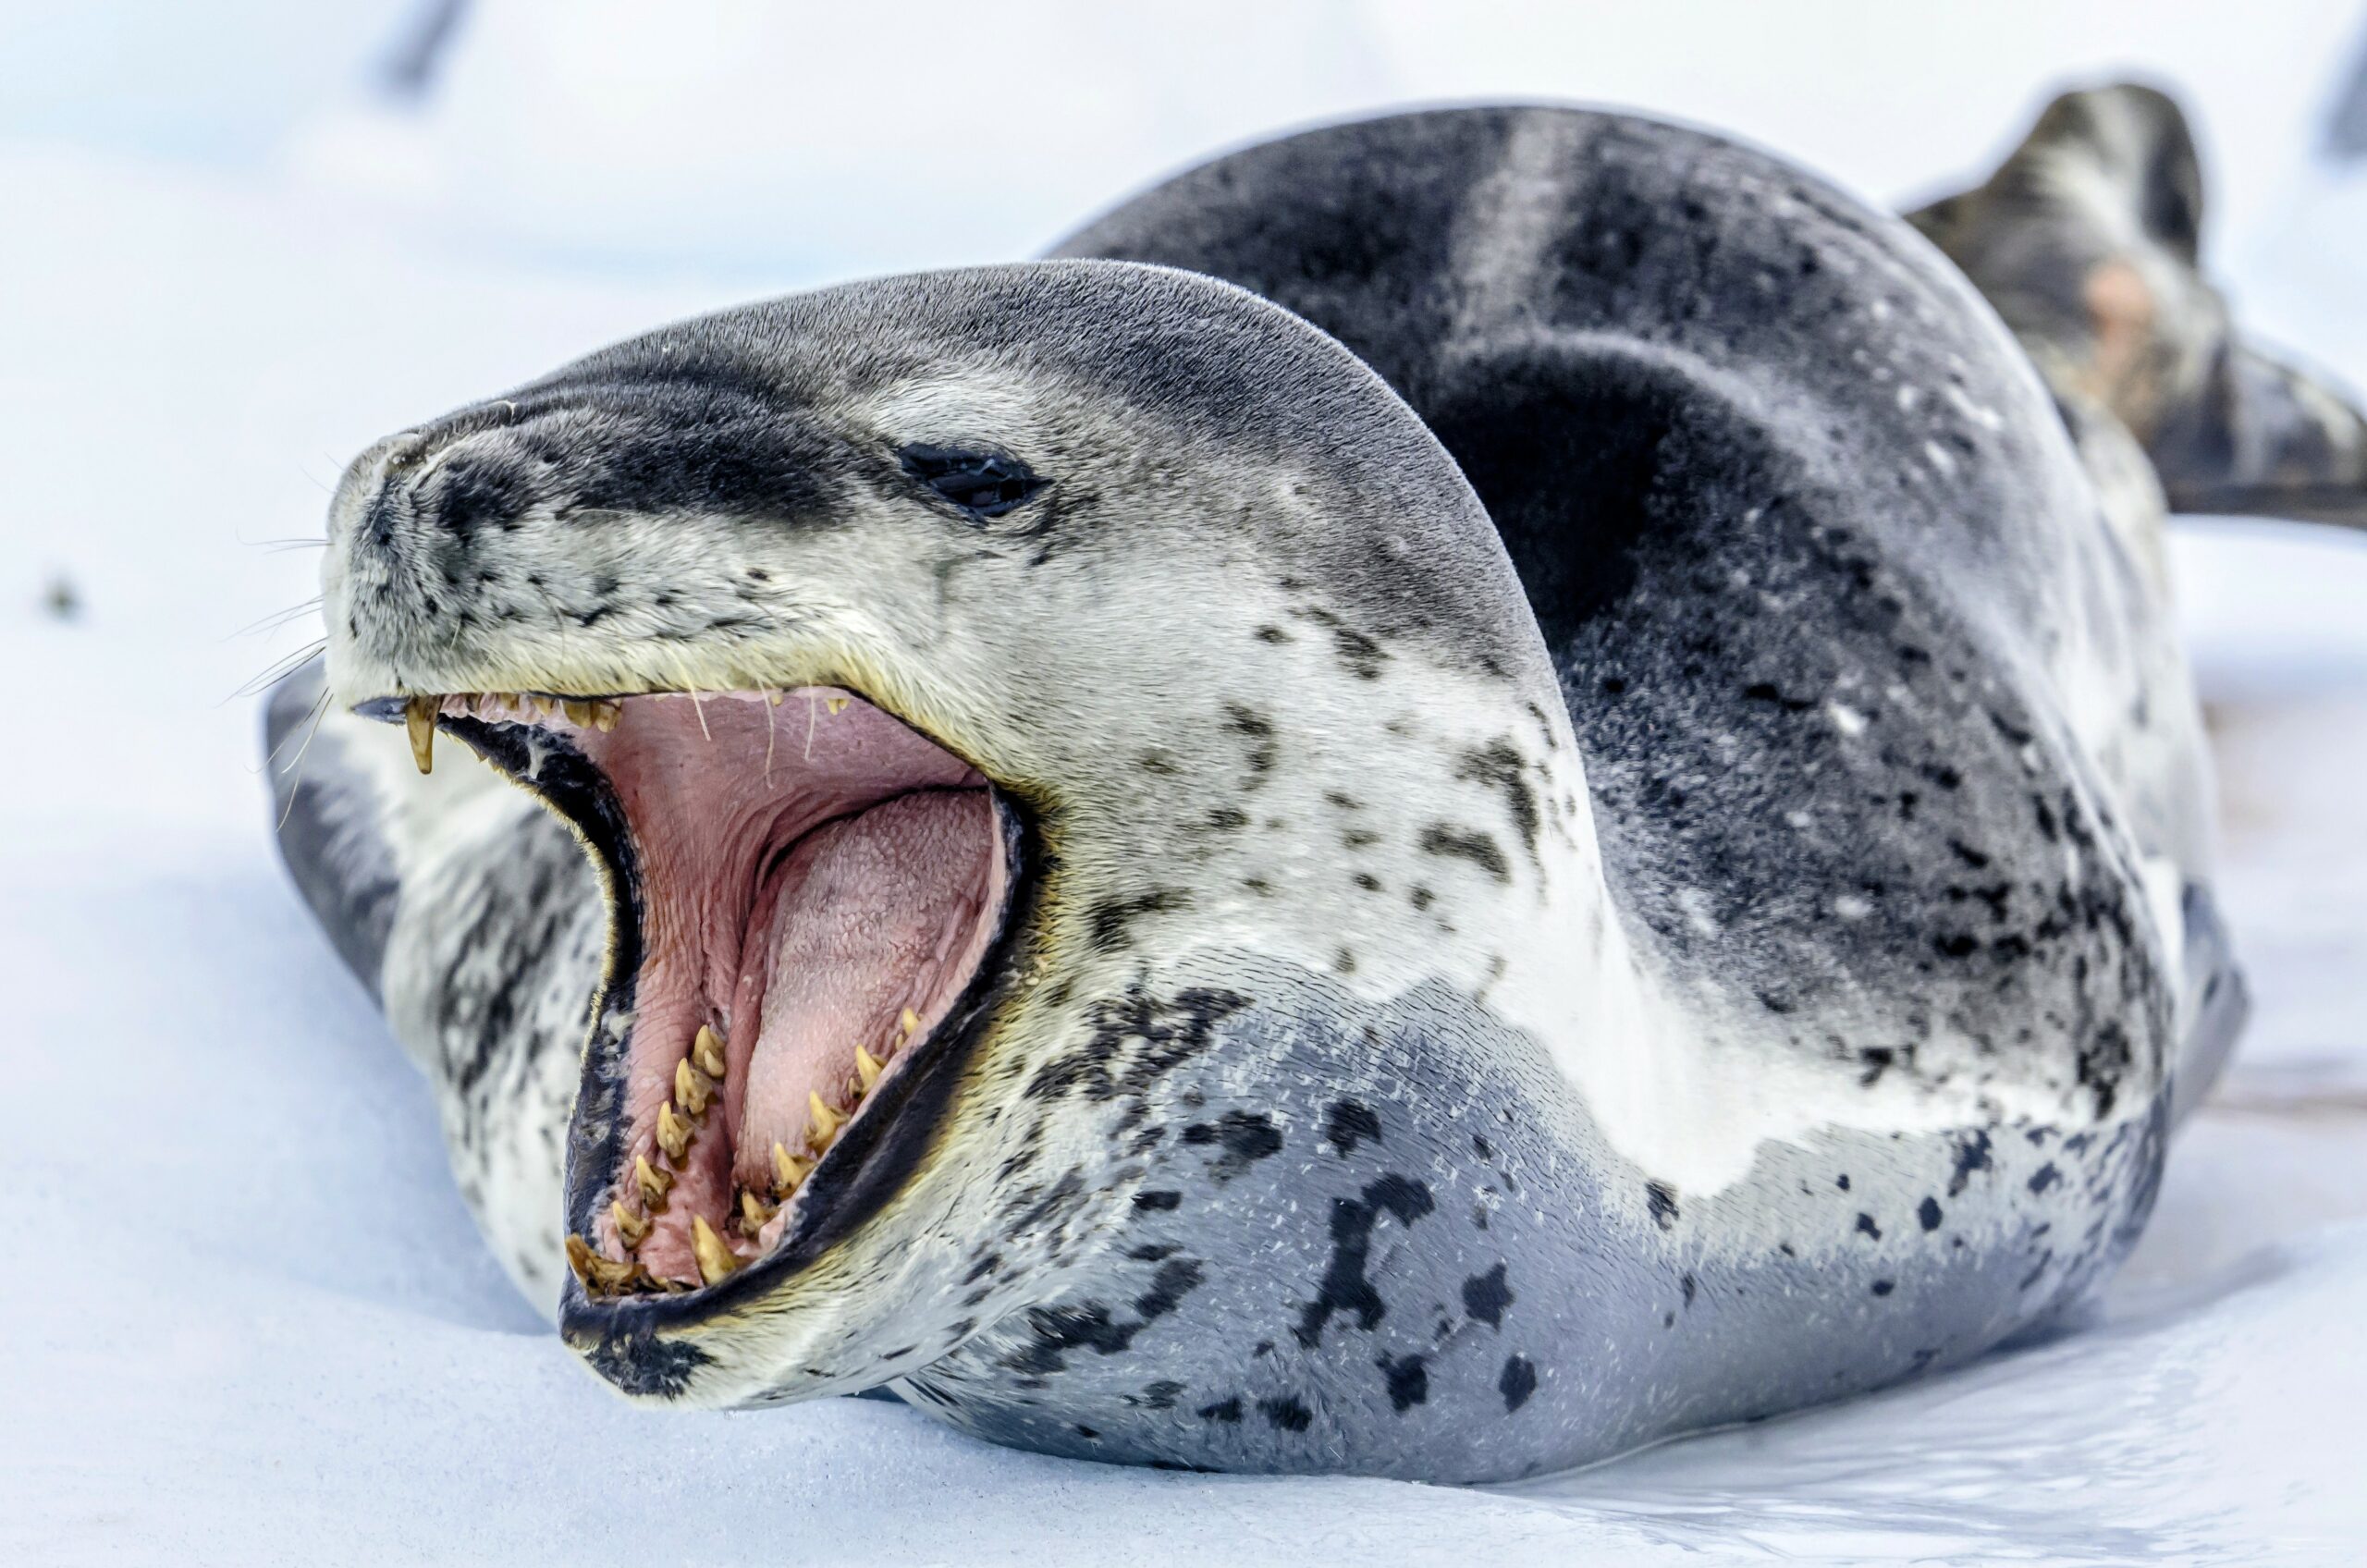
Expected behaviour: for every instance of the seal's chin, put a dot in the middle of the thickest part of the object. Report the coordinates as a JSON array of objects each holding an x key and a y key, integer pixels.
[{"x": 804, "y": 892}]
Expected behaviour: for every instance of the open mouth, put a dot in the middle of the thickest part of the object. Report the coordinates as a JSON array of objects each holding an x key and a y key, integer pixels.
[{"x": 804, "y": 892}]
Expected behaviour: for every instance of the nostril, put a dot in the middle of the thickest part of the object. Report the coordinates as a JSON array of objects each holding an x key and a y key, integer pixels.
[
  {"x": 394, "y": 464},
  {"x": 449, "y": 491}
]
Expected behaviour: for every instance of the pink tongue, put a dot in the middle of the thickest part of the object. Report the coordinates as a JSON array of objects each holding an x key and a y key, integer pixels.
[{"x": 870, "y": 916}]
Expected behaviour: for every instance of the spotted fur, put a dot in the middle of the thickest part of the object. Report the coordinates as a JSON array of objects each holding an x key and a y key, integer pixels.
[{"x": 1622, "y": 842}]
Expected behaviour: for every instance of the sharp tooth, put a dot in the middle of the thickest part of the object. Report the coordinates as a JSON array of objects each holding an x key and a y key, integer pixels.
[
  {"x": 754, "y": 1216},
  {"x": 717, "y": 1262},
  {"x": 911, "y": 1022},
  {"x": 866, "y": 1066},
  {"x": 836, "y": 705},
  {"x": 419, "y": 717},
  {"x": 707, "y": 1051},
  {"x": 604, "y": 717},
  {"x": 577, "y": 714},
  {"x": 633, "y": 1231},
  {"x": 826, "y": 1122},
  {"x": 776, "y": 697},
  {"x": 604, "y": 1274},
  {"x": 652, "y": 1182},
  {"x": 673, "y": 1133},
  {"x": 789, "y": 1170},
  {"x": 692, "y": 1087}
]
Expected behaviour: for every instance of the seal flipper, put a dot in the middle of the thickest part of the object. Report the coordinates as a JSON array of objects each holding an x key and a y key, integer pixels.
[
  {"x": 2265, "y": 438},
  {"x": 2086, "y": 239},
  {"x": 330, "y": 829}
]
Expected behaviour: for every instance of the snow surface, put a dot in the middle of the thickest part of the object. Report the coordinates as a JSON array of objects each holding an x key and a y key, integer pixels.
[{"x": 250, "y": 1321}]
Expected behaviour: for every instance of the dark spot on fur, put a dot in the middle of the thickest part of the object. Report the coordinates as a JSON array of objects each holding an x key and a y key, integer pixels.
[
  {"x": 1108, "y": 920},
  {"x": 1662, "y": 1199},
  {"x": 1407, "y": 1379},
  {"x": 1345, "y": 1287},
  {"x": 1883, "y": 1287},
  {"x": 1349, "y": 1123},
  {"x": 1972, "y": 1154},
  {"x": 1056, "y": 1330},
  {"x": 1499, "y": 765},
  {"x": 1226, "y": 1409},
  {"x": 1927, "y": 1213},
  {"x": 1517, "y": 1381},
  {"x": 644, "y": 1364},
  {"x": 1247, "y": 1137},
  {"x": 1478, "y": 848},
  {"x": 1286, "y": 1413},
  {"x": 1259, "y": 730},
  {"x": 1485, "y": 1297},
  {"x": 1866, "y": 1226},
  {"x": 1152, "y": 1203}
]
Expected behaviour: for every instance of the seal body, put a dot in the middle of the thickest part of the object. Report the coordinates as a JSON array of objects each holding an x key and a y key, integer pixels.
[{"x": 1662, "y": 878}]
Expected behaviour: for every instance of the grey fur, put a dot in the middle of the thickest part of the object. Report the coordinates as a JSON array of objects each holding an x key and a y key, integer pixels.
[{"x": 1894, "y": 818}]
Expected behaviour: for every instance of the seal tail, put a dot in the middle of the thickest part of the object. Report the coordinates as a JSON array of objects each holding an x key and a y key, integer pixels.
[{"x": 2087, "y": 241}]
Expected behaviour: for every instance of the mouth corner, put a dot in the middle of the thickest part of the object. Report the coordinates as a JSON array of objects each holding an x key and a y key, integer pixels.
[{"x": 808, "y": 902}]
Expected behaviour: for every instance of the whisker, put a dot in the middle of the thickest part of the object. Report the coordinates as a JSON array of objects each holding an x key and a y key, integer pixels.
[
  {"x": 277, "y": 619},
  {"x": 320, "y": 712},
  {"x": 278, "y": 669},
  {"x": 320, "y": 705}
]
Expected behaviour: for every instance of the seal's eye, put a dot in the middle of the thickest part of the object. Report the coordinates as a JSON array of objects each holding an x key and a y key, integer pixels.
[{"x": 982, "y": 484}]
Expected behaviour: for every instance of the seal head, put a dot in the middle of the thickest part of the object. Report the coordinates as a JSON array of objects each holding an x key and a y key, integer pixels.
[{"x": 891, "y": 648}]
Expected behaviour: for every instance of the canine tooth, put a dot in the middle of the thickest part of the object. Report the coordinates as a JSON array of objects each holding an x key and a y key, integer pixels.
[
  {"x": 578, "y": 1257},
  {"x": 604, "y": 717},
  {"x": 911, "y": 1022},
  {"x": 789, "y": 1170},
  {"x": 692, "y": 1087},
  {"x": 707, "y": 1051},
  {"x": 836, "y": 705},
  {"x": 419, "y": 719},
  {"x": 866, "y": 1067},
  {"x": 673, "y": 1133},
  {"x": 633, "y": 1231},
  {"x": 717, "y": 1262},
  {"x": 825, "y": 1121},
  {"x": 754, "y": 1216},
  {"x": 652, "y": 1181}
]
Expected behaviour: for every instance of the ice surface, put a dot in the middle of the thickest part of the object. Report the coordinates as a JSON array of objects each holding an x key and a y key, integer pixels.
[{"x": 247, "y": 1320}]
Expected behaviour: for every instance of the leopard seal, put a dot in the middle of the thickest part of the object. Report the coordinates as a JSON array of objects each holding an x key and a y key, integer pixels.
[{"x": 1558, "y": 814}]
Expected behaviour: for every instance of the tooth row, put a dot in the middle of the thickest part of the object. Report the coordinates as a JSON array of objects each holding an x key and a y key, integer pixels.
[
  {"x": 823, "y": 1121},
  {"x": 696, "y": 1079},
  {"x": 419, "y": 713}
]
